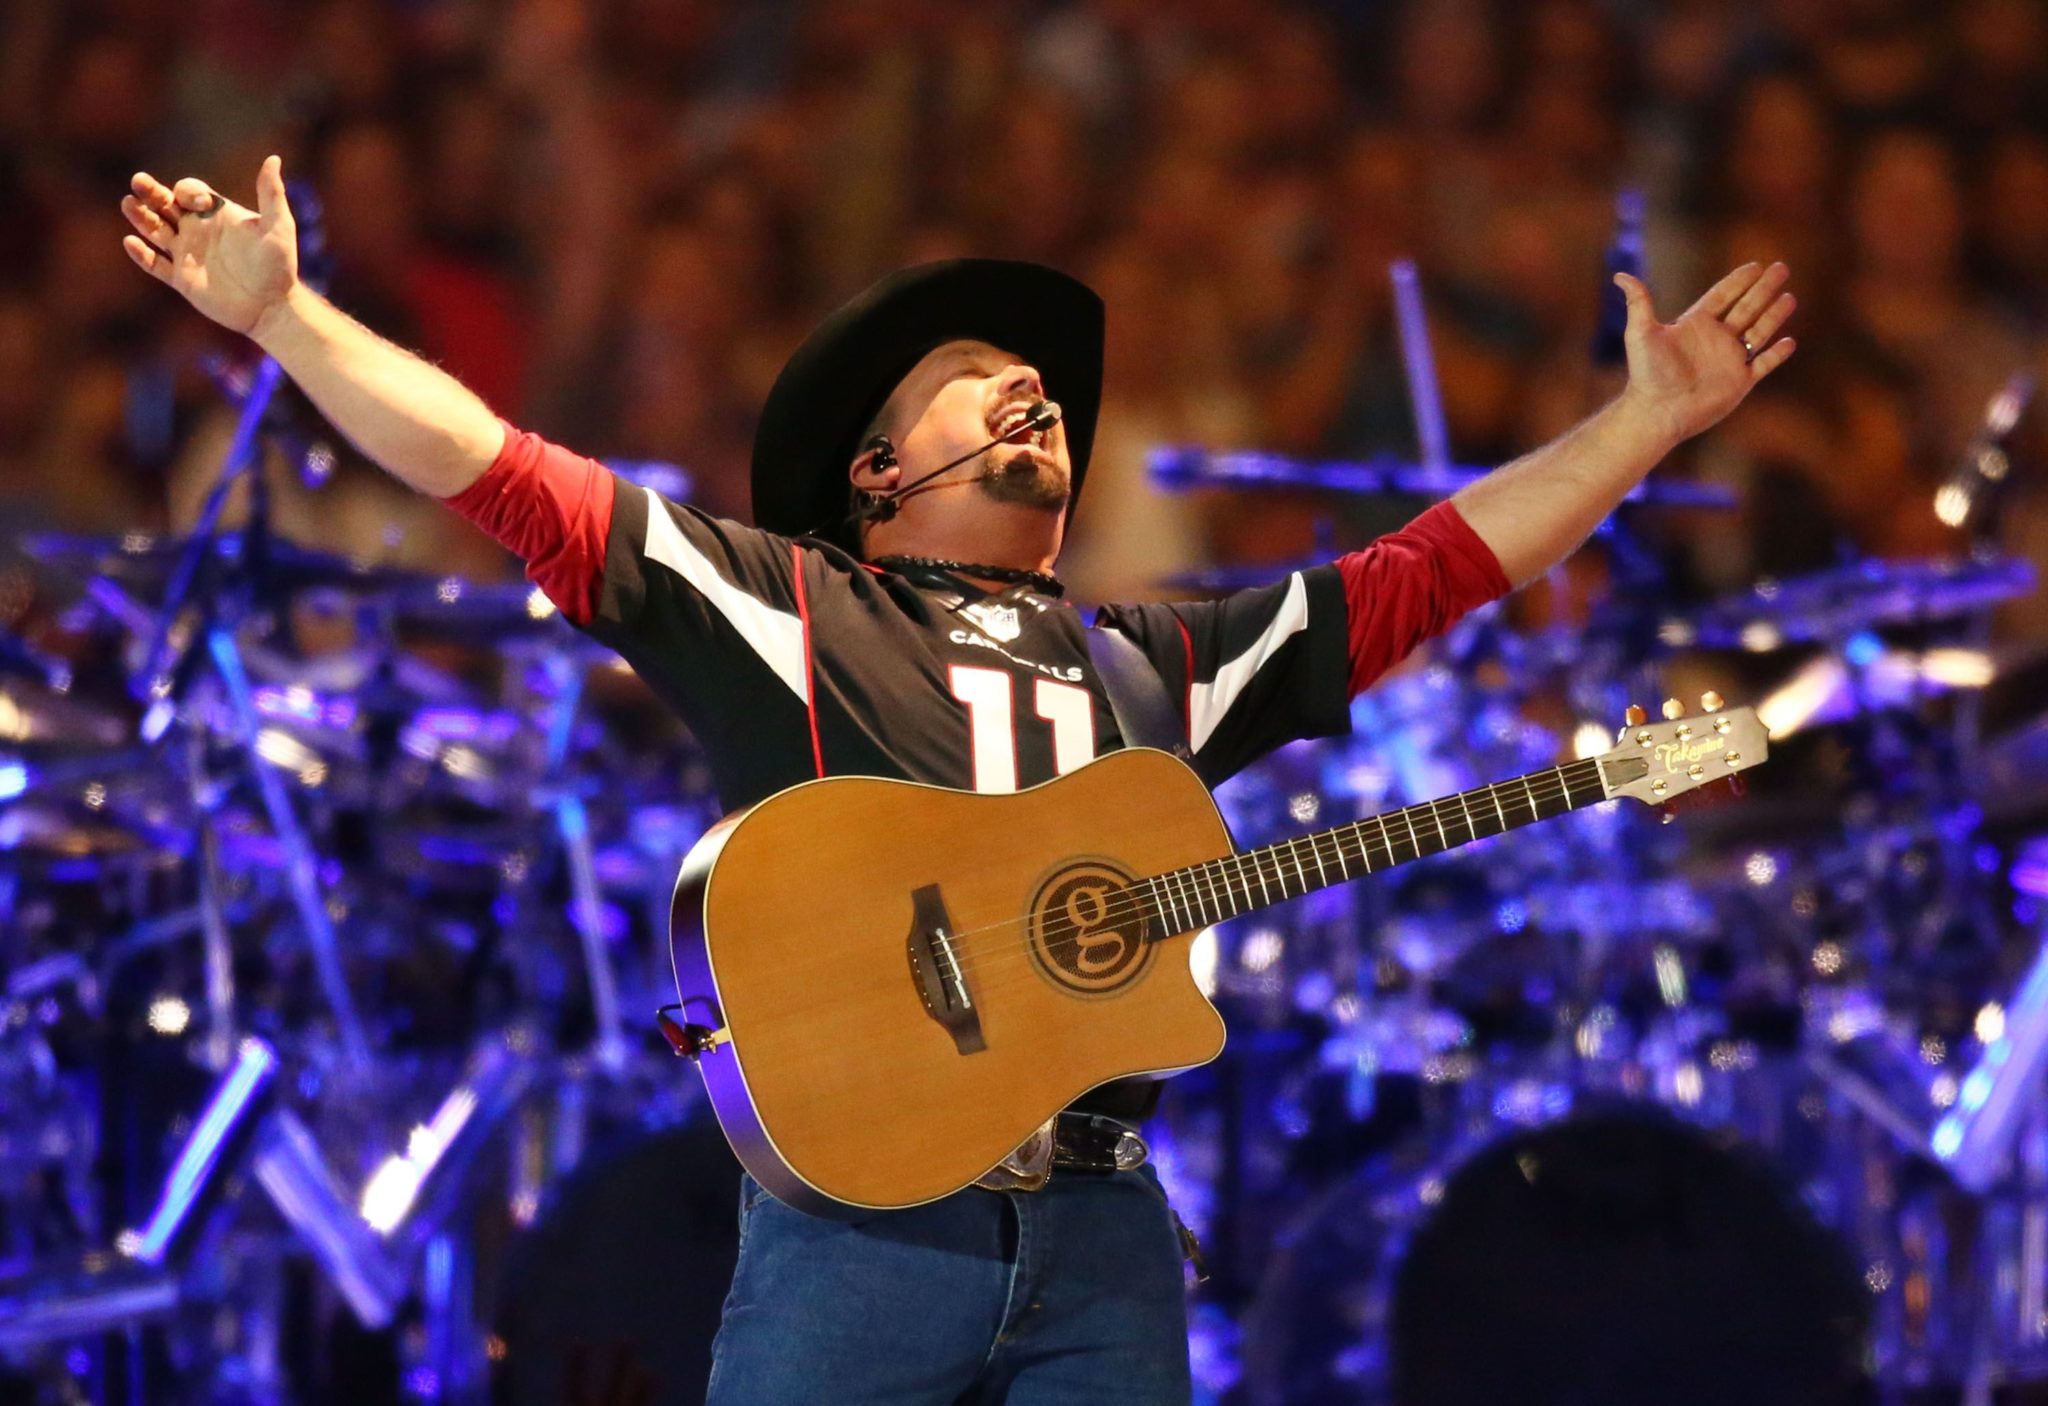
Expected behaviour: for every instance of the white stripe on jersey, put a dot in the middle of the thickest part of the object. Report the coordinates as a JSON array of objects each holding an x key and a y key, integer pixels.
[
  {"x": 776, "y": 635},
  {"x": 1208, "y": 702}
]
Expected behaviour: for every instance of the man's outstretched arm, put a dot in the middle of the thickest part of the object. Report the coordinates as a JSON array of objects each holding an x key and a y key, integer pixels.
[
  {"x": 240, "y": 267},
  {"x": 1683, "y": 377}
]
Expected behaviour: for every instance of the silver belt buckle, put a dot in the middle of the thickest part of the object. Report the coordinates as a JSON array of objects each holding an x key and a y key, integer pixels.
[{"x": 1028, "y": 1168}]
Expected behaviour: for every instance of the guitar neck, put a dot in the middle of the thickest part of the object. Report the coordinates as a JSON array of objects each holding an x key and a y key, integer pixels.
[{"x": 1245, "y": 882}]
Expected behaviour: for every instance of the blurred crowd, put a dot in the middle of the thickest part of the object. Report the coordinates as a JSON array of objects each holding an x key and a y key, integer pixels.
[{"x": 615, "y": 218}]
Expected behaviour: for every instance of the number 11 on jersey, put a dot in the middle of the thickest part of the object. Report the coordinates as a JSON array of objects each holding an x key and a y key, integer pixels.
[{"x": 991, "y": 723}]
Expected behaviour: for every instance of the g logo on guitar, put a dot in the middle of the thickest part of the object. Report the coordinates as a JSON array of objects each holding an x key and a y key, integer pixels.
[{"x": 1088, "y": 930}]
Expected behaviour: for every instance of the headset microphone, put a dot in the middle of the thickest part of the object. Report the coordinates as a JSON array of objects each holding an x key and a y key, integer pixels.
[{"x": 880, "y": 507}]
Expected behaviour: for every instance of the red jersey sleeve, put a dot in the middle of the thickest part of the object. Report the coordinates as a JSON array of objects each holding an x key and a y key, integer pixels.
[
  {"x": 552, "y": 508},
  {"x": 1412, "y": 585}
]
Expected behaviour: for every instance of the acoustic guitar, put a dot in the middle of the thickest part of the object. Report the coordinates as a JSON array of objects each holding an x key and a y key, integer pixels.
[{"x": 889, "y": 986}]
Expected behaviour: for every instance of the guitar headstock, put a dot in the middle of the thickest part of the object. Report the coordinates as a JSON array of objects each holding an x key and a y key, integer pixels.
[{"x": 1658, "y": 762}]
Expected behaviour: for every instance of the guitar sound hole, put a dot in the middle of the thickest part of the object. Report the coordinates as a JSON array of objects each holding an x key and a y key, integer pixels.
[{"x": 1090, "y": 933}]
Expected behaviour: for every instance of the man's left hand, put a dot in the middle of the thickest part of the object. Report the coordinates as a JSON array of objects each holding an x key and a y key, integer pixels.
[{"x": 1689, "y": 373}]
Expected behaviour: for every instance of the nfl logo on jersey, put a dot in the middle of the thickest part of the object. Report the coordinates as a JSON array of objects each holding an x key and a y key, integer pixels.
[{"x": 998, "y": 620}]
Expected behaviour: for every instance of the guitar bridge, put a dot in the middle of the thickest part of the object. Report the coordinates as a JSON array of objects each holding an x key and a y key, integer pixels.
[{"x": 936, "y": 969}]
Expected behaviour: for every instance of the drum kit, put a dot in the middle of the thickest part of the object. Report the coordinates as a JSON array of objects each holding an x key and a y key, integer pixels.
[
  {"x": 314, "y": 960},
  {"x": 323, "y": 968},
  {"x": 1845, "y": 977},
  {"x": 1836, "y": 972}
]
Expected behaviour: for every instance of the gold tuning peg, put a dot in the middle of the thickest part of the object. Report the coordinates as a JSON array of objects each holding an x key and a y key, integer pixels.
[
  {"x": 1673, "y": 709},
  {"x": 1710, "y": 701},
  {"x": 1635, "y": 716}
]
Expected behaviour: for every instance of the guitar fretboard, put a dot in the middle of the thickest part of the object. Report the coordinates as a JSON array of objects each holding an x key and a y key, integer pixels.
[{"x": 1241, "y": 883}]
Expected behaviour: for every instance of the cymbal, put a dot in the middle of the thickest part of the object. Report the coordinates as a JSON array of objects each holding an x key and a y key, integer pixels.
[
  {"x": 403, "y": 679},
  {"x": 1833, "y": 604},
  {"x": 473, "y": 611},
  {"x": 144, "y": 561},
  {"x": 1176, "y": 466},
  {"x": 36, "y": 717},
  {"x": 461, "y": 853},
  {"x": 39, "y": 835}
]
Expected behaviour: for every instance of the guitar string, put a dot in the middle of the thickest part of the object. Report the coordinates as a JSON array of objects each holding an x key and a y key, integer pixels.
[
  {"x": 1146, "y": 899},
  {"x": 1284, "y": 853},
  {"x": 1242, "y": 869},
  {"x": 1132, "y": 901}
]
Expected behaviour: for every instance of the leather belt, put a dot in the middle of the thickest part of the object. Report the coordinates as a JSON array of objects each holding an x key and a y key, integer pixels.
[{"x": 1085, "y": 1143}]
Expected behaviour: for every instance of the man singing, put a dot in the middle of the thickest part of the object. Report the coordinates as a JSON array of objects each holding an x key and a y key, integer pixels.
[{"x": 894, "y": 611}]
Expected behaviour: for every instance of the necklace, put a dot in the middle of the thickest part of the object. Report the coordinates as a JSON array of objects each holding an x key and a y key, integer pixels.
[{"x": 1037, "y": 580}]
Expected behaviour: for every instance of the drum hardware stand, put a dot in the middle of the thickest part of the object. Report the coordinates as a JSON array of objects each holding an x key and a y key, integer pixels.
[
  {"x": 301, "y": 864},
  {"x": 370, "y": 1245},
  {"x": 58, "y": 1303},
  {"x": 1971, "y": 501},
  {"x": 572, "y": 823},
  {"x": 1425, "y": 394},
  {"x": 140, "y": 1279},
  {"x": 216, "y": 1049},
  {"x": 168, "y": 680},
  {"x": 364, "y": 1249},
  {"x": 303, "y": 1187},
  {"x": 1993, "y": 1143}
]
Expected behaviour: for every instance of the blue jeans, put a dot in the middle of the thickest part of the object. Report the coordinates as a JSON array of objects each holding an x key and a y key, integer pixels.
[{"x": 1070, "y": 1295}]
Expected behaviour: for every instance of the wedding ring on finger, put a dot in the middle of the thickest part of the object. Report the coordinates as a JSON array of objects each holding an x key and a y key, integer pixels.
[
  {"x": 1748, "y": 352},
  {"x": 213, "y": 203}
]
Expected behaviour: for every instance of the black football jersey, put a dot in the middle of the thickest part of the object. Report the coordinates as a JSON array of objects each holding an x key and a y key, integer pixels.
[{"x": 790, "y": 660}]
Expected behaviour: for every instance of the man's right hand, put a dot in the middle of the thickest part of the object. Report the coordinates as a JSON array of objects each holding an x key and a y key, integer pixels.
[
  {"x": 240, "y": 267},
  {"x": 232, "y": 263}
]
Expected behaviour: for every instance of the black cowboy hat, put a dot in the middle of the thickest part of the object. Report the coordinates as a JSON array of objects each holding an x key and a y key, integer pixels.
[{"x": 836, "y": 382}]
